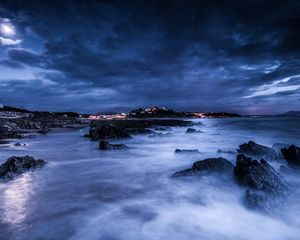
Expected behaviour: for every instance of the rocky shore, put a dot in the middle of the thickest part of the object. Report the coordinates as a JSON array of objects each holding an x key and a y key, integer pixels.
[
  {"x": 265, "y": 188},
  {"x": 118, "y": 129},
  {"x": 36, "y": 123}
]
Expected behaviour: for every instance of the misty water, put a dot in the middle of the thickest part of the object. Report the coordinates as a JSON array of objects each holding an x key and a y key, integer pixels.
[{"x": 85, "y": 193}]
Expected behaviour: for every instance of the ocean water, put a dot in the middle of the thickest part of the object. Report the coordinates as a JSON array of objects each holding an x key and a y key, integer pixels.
[{"x": 85, "y": 193}]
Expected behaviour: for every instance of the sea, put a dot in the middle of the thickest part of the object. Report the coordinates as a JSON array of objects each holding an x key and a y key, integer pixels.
[{"x": 86, "y": 193}]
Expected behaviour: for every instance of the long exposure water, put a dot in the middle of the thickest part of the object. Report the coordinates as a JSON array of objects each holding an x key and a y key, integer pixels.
[{"x": 85, "y": 193}]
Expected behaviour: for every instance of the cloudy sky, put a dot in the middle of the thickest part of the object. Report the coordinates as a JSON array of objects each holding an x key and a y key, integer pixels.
[{"x": 89, "y": 56}]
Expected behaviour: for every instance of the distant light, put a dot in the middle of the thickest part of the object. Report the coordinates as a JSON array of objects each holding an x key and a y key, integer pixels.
[{"x": 8, "y": 29}]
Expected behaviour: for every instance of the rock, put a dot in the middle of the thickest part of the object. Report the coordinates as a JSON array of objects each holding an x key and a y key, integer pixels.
[
  {"x": 187, "y": 151},
  {"x": 162, "y": 129},
  {"x": 292, "y": 155},
  {"x": 108, "y": 131},
  {"x": 139, "y": 131},
  {"x": 191, "y": 130},
  {"x": 227, "y": 152},
  {"x": 266, "y": 189},
  {"x": 105, "y": 145},
  {"x": 255, "y": 150},
  {"x": 15, "y": 166},
  {"x": 211, "y": 165}
]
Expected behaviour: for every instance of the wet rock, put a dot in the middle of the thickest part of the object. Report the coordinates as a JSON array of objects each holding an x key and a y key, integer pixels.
[
  {"x": 7, "y": 131},
  {"x": 191, "y": 130},
  {"x": 266, "y": 189},
  {"x": 292, "y": 155},
  {"x": 108, "y": 131},
  {"x": 162, "y": 129},
  {"x": 209, "y": 165},
  {"x": 139, "y": 131},
  {"x": 105, "y": 145},
  {"x": 255, "y": 150},
  {"x": 187, "y": 151},
  {"x": 15, "y": 166},
  {"x": 226, "y": 152}
]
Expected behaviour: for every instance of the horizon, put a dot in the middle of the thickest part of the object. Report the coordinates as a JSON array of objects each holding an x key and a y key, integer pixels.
[
  {"x": 144, "y": 107},
  {"x": 115, "y": 56}
]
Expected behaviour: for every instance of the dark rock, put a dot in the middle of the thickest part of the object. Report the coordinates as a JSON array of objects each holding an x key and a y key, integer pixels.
[
  {"x": 227, "y": 152},
  {"x": 139, "y": 131},
  {"x": 187, "y": 151},
  {"x": 105, "y": 145},
  {"x": 292, "y": 155},
  {"x": 162, "y": 129},
  {"x": 15, "y": 166},
  {"x": 211, "y": 165},
  {"x": 255, "y": 150},
  {"x": 191, "y": 130},
  {"x": 108, "y": 131},
  {"x": 266, "y": 187}
]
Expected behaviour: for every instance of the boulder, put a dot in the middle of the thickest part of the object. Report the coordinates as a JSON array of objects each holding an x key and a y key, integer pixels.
[
  {"x": 191, "y": 130},
  {"x": 209, "y": 165},
  {"x": 108, "y": 131},
  {"x": 15, "y": 166},
  {"x": 255, "y": 150},
  {"x": 292, "y": 155},
  {"x": 105, "y": 145},
  {"x": 266, "y": 189}
]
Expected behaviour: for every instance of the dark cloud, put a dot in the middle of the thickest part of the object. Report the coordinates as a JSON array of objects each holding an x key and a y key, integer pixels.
[{"x": 193, "y": 55}]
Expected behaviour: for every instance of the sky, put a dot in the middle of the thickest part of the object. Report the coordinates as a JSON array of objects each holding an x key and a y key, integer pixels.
[{"x": 91, "y": 56}]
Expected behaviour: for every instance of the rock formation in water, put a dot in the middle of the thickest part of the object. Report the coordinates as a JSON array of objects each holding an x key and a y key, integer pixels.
[
  {"x": 108, "y": 131},
  {"x": 105, "y": 145},
  {"x": 255, "y": 150},
  {"x": 191, "y": 130},
  {"x": 266, "y": 189},
  {"x": 15, "y": 166},
  {"x": 209, "y": 165},
  {"x": 187, "y": 151},
  {"x": 292, "y": 155}
]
